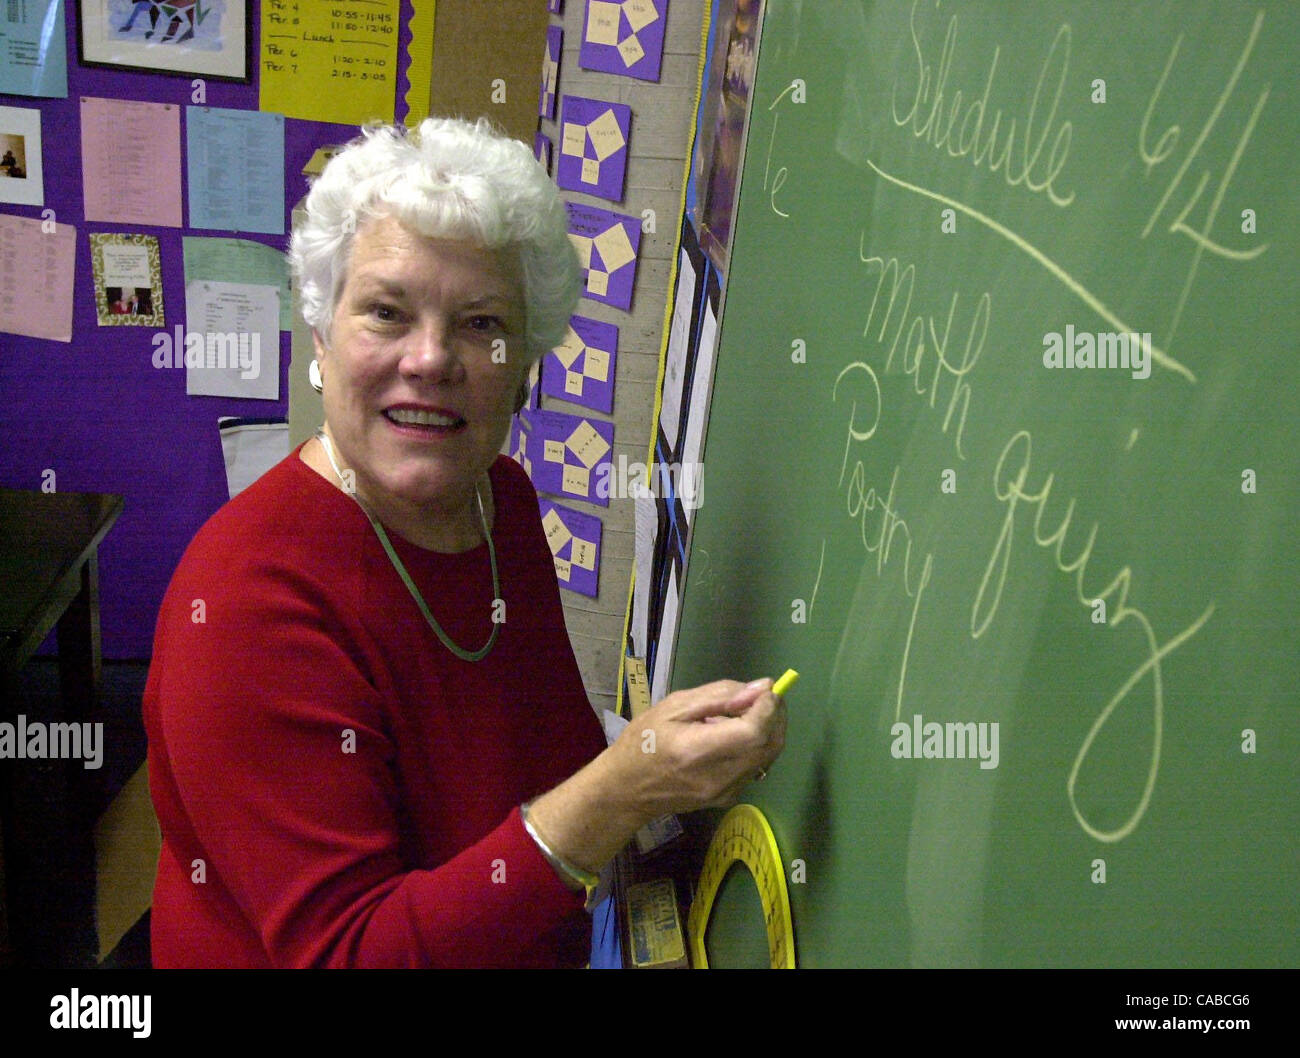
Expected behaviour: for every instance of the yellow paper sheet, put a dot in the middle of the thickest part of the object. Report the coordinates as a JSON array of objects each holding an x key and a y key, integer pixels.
[
  {"x": 573, "y": 383},
  {"x": 631, "y": 50},
  {"x": 563, "y": 569},
  {"x": 554, "y": 451},
  {"x": 602, "y": 22},
  {"x": 587, "y": 444},
  {"x": 569, "y": 350},
  {"x": 584, "y": 553},
  {"x": 330, "y": 62},
  {"x": 615, "y": 249},
  {"x": 640, "y": 13},
  {"x": 576, "y": 480},
  {"x": 606, "y": 136},
  {"x": 590, "y": 171},
  {"x": 574, "y": 140},
  {"x": 598, "y": 282},
  {"x": 596, "y": 364},
  {"x": 557, "y": 533}
]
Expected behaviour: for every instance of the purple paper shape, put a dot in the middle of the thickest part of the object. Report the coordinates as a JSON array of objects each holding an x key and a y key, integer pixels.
[
  {"x": 542, "y": 149},
  {"x": 623, "y": 38},
  {"x": 589, "y": 378},
  {"x": 588, "y": 129},
  {"x": 556, "y": 450},
  {"x": 592, "y": 230},
  {"x": 555, "y": 7},
  {"x": 550, "y": 72},
  {"x": 572, "y": 548}
]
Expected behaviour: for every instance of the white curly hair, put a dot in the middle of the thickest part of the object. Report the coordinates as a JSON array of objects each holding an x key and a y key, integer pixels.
[{"x": 448, "y": 178}]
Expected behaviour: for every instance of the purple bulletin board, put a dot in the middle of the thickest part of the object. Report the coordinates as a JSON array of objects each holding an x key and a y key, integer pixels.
[{"x": 95, "y": 410}]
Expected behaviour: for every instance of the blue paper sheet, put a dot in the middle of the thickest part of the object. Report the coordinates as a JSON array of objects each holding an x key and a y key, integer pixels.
[
  {"x": 236, "y": 169},
  {"x": 33, "y": 50}
]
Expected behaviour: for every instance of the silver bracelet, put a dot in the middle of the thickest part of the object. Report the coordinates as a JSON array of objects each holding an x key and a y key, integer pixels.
[{"x": 576, "y": 875}]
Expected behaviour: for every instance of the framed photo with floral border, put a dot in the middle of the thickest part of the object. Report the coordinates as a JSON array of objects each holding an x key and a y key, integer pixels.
[
  {"x": 128, "y": 280},
  {"x": 188, "y": 38}
]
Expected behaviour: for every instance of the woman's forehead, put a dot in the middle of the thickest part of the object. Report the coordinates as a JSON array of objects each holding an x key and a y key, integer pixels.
[{"x": 386, "y": 248}]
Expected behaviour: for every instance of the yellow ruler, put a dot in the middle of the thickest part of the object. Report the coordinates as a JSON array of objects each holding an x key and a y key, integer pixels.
[{"x": 744, "y": 836}]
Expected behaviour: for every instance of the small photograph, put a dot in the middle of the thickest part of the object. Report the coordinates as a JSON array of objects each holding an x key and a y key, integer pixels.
[
  {"x": 21, "y": 181},
  {"x": 13, "y": 156},
  {"x": 129, "y": 301}
]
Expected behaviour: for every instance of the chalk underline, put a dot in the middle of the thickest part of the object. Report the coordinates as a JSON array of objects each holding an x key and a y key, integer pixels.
[{"x": 1158, "y": 355}]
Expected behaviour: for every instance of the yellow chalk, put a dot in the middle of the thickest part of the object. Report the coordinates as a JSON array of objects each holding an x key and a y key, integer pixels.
[{"x": 787, "y": 681}]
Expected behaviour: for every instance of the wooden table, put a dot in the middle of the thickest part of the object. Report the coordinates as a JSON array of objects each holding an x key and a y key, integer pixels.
[{"x": 49, "y": 578}]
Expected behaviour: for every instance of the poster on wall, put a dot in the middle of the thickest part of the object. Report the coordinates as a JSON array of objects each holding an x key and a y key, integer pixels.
[
  {"x": 128, "y": 280},
  {"x": 189, "y": 38},
  {"x": 725, "y": 108},
  {"x": 33, "y": 52}
]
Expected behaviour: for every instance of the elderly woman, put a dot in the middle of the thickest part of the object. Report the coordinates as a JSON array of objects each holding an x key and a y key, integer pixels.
[{"x": 369, "y": 741}]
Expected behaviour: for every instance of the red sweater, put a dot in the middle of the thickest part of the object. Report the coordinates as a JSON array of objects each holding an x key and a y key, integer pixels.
[{"x": 350, "y": 786}]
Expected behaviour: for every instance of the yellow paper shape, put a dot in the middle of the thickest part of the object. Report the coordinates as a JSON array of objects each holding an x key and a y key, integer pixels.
[
  {"x": 570, "y": 349},
  {"x": 602, "y": 22},
  {"x": 528, "y": 468},
  {"x": 584, "y": 553},
  {"x": 576, "y": 480},
  {"x": 583, "y": 245},
  {"x": 573, "y": 383},
  {"x": 563, "y": 568},
  {"x": 598, "y": 282},
  {"x": 640, "y": 13},
  {"x": 587, "y": 444},
  {"x": 631, "y": 50},
  {"x": 552, "y": 72},
  {"x": 575, "y": 139},
  {"x": 554, "y": 451},
  {"x": 557, "y": 533},
  {"x": 615, "y": 249},
  {"x": 310, "y": 70},
  {"x": 606, "y": 136},
  {"x": 596, "y": 364},
  {"x": 590, "y": 171}
]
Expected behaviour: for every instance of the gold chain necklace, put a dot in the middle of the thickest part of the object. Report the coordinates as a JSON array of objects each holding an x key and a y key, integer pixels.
[{"x": 446, "y": 640}]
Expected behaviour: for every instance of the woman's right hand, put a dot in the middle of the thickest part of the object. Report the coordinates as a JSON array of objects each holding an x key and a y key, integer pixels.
[{"x": 699, "y": 747}]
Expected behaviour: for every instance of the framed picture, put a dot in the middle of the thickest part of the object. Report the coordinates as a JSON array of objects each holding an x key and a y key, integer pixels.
[
  {"x": 128, "y": 280},
  {"x": 188, "y": 38}
]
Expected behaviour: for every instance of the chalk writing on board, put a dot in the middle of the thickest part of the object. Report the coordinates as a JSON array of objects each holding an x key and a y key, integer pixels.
[
  {"x": 932, "y": 87},
  {"x": 861, "y": 500},
  {"x": 1165, "y": 146},
  {"x": 1009, "y": 488}
]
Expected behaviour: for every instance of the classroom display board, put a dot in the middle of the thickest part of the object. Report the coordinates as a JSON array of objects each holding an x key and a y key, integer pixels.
[{"x": 1003, "y": 457}]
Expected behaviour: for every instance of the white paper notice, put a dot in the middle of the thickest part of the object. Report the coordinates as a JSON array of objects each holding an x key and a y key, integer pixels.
[
  {"x": 667, "y": 640},
  {"x": 679, "y": 335},
  {"x": 232, "y": 344},
  {"x": 251, "y": 449},
  {"x": 689, "y": 488}
]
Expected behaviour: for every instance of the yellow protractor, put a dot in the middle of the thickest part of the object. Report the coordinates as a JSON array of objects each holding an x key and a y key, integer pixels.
[{"x": 744, "y": 836}]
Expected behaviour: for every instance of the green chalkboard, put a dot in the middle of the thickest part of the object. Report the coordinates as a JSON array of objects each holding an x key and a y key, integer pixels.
[{"x": 904, "y": 501}]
